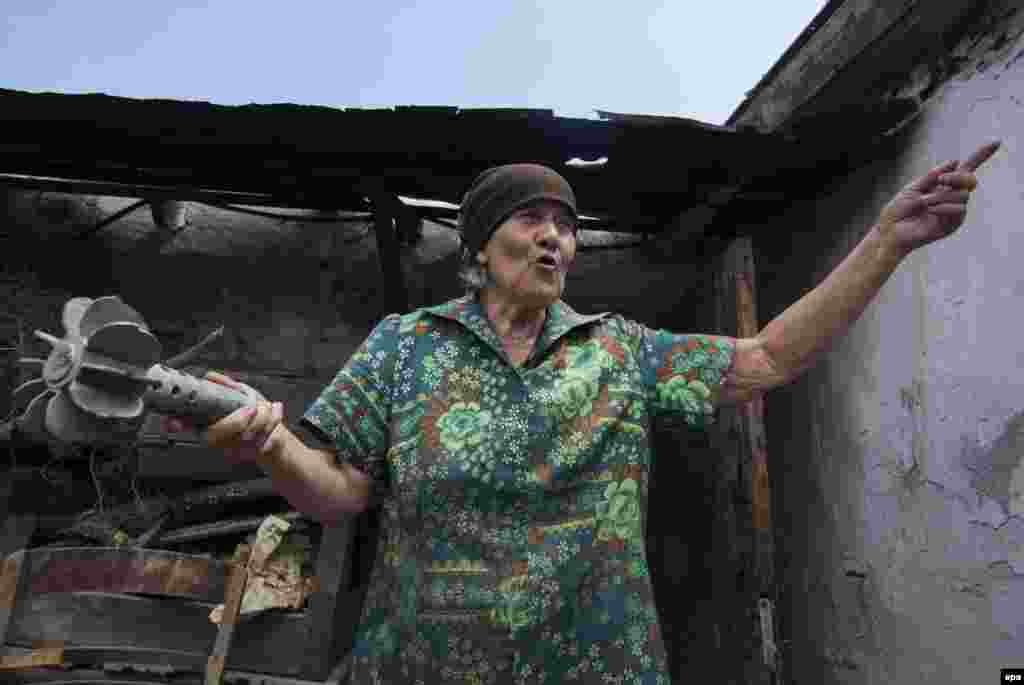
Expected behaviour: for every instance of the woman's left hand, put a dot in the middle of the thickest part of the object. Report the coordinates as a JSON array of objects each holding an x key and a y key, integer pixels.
[{"x": 933, "y": 206}]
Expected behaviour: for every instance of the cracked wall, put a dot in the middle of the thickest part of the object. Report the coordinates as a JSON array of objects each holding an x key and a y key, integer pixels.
[{"x": 897, "y": 462}]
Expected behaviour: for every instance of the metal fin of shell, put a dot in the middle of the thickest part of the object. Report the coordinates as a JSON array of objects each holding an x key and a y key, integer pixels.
[
  {"x": 125, "y": 341},
  {"x": 104, "y": 404},
  {"x": 107, "y": 310},
  {"x": 72, "y": 316},
  {"x": 67, "y": 423}
]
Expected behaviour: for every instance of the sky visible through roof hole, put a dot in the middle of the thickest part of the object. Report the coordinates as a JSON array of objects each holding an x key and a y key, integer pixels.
[{"x": 674, "y": 58}]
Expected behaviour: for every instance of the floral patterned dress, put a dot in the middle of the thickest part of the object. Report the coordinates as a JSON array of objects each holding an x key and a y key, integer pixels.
[{"x": 513, "y": 498}]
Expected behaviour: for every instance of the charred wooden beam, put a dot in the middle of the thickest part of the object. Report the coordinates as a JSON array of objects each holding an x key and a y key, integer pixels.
[
  {"x": 135, "y": 190},
  {"x": 192, "y": 507},
  {"x": 387, "y": 210},
  {"x": 205, "y": 531}
]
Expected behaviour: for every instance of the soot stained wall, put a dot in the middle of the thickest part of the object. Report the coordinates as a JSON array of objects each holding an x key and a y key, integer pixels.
[{"x": 897, "y": 472}]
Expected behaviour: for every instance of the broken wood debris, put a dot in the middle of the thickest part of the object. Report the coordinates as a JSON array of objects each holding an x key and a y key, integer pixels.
[{"x": 275, "y": 573}]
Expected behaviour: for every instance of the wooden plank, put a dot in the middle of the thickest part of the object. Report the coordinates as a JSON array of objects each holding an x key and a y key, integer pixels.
[
  {"x": 109, "y": 626},
  {"x": 229, "y": 617},
  {"x": 110, "y": 620},
  {"x": 122, "y": 673},
  {"x": 77, "y": 657}
]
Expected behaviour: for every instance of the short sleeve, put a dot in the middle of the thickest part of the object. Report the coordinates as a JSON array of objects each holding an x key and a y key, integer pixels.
[
  {"x": 353, "y": 412},
  {"x": 683, "y": 372}
]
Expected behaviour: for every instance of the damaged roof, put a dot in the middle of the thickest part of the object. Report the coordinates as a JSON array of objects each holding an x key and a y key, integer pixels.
[{"x": 315, "y": 157}]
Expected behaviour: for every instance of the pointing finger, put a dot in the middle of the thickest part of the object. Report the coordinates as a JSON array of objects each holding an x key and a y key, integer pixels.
[
  {"x": 981, "y": 155},
  {"x": 931, "y": 179},
  {"x": 959, "y": 179}
]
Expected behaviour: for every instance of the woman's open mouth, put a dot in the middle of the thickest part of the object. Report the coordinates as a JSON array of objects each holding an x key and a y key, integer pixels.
[{"x": 548, "y": 263}]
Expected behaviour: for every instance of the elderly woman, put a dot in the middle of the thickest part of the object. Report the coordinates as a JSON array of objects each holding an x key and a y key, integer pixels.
[{"x": 508, "y": 440}]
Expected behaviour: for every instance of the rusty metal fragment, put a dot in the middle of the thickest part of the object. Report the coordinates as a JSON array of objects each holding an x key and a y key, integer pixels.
[
  {"x": 187, "y": 578},
  {"x": 97, "y": 569}
]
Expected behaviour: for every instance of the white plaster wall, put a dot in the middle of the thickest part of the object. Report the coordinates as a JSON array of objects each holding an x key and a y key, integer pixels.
[{"x": 898, "y": 461}]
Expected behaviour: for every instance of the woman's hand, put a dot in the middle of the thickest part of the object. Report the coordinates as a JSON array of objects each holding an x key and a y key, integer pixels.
[
  {"x": 246, "y": 434},
  {"x": 933, "y": 206}
]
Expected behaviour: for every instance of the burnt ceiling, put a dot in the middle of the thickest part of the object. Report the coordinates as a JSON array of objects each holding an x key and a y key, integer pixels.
[{"x": 339, "y": 159}]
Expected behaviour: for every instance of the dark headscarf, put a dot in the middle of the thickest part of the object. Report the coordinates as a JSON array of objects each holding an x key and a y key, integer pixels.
[{"x": 501, "y": 190}]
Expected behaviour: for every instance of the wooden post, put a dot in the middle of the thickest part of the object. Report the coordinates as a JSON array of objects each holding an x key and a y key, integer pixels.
[
  {"x": 728, "y": 530},
  {"x": 408, "y": 224},
  {"x": 744, "y": 481},
  {"x": 386, "y": 212},
  {"x": 754, "y": 444}
]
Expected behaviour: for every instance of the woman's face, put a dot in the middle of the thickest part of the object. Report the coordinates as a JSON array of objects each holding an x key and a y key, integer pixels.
[{"x": 530, "y": 252}]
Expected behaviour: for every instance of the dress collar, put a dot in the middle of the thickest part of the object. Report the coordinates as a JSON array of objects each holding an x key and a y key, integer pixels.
[{"x": 468, "y": 311}]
